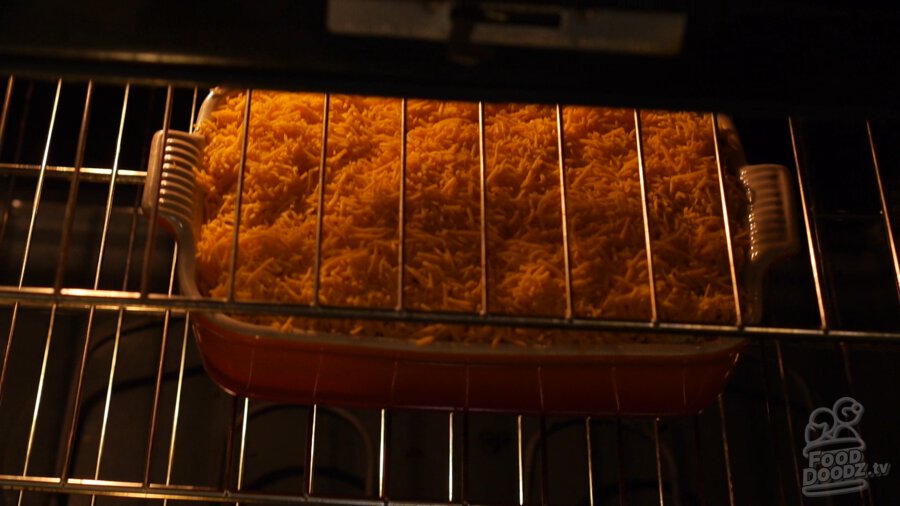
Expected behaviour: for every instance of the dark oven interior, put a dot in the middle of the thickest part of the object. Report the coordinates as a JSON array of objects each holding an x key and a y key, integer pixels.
[{"x": 103, "y": 397}]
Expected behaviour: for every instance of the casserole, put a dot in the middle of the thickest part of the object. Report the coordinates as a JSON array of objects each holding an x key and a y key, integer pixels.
[{"x": 613, "y": 376}]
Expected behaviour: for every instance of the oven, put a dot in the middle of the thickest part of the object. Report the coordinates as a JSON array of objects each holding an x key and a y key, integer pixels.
[{"x": 103, "y": 394}]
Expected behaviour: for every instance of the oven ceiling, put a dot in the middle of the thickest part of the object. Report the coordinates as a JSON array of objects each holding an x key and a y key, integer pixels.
[{"x": 776, "y": 56}]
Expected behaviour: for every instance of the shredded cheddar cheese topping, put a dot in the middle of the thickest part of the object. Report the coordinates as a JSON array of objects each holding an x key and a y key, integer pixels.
[{"x": 442, "y": 230}]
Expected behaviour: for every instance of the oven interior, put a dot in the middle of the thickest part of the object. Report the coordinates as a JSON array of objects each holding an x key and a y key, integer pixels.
[{"x": 109, "y": 402}]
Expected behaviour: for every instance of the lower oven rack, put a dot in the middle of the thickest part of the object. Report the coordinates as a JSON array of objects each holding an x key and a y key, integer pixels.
[{"x": 147, "y": 289}]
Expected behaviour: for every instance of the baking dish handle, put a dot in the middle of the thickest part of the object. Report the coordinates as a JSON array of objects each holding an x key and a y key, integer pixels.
[
  {"x": 772, "y": 224},
  {"x": 171, "y": 185}
]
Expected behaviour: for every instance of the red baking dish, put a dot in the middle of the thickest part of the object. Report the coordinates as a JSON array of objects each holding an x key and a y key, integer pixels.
[{"x": 317, "y": 367}]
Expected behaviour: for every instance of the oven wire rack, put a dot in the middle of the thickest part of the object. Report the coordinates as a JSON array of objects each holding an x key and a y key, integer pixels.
[{"x": 173, "y": 308}]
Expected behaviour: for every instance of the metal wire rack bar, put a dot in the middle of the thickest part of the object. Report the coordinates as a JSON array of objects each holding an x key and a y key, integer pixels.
[
  {"x": 69, "y": 217},
  {"x": 590, "y": 459},
  {"x": 154, "y": 413},
  {"x": 38, "y": 395},
  {"x": 40, "y": 184},
  {"x": 384, "y": 440},
  {"x": 659, "y": 474},
  {"x": 521, "y": 473},
  {"x": 109, "y": 389},
  {"x": 23, "y": 121},
  {"x": 401, "y": 208},
  {"x": 79, "y": 298},
  {"x": 186, "y": 493},
  {"x": 885, "y": 211},
  {"x": 726, "y": 451},
  {"x": 88, "y": 174},
  {"x": 4, "y": 114},
  {"x": 806, "y": 205},
  {"x": 482, "y": 165},
  {"x": 320, "y": 203},
  {"x": 645, "y": 210},
  {"x": 154, "y": 213},
  {"x": 311, "y": 449},
  {"x": 450, "y": 457},
  {"x": 177, "y": 407},
  {"x": 240, "y": 473},
  {"x": 229, "y": 445},
  {"x": 563, "y": 192},
  {"x": 116, "y": 341},
  {"x": 239, "y": 193},
  {"x": 738, "y": 314}
]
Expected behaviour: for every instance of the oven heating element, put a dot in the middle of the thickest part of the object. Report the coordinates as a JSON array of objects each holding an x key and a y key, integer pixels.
[{"x": 148, "y": 291}]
